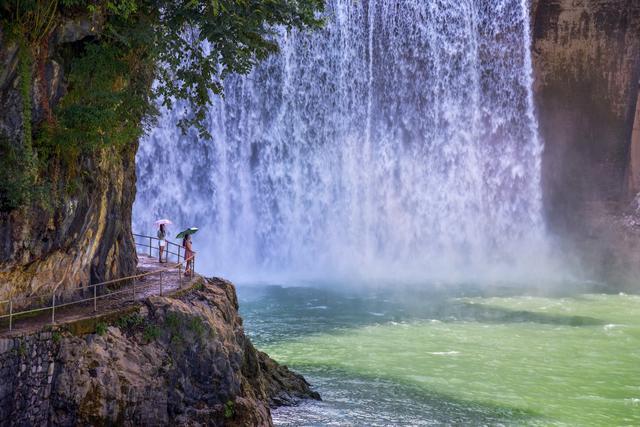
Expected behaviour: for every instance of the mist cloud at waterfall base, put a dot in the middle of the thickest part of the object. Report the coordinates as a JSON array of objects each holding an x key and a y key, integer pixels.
[{"x": 534, "y": 267}]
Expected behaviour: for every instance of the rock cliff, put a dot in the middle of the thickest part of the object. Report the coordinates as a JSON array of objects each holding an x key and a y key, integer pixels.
[
  {"x": 634, "y": 161},
  {"x": 82, "y": 230},
  {"x": 586, "y": 56},
  {"x": 587, "y": 68},
  {"x": 172, "y": 361}
]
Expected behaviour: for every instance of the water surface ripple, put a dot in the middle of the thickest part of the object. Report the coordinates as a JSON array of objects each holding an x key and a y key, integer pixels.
[{"x": 442, "y": 359}]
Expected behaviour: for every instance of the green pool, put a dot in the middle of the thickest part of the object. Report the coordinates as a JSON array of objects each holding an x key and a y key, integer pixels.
[{"x": 453, "y": 357}]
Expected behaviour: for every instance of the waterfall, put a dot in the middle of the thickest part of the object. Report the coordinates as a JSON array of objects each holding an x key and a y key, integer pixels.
[{"x": 400, "y": 140}]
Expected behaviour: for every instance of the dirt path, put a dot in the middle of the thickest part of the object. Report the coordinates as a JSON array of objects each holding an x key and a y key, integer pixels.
[{"x": 108, "y": 300}]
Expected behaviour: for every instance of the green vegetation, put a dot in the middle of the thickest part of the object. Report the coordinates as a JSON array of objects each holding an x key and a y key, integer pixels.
[
  {"x": 196, "y": 325},
  {"x": 134, "y": 323},
  {"x": 187, "y": 47},
  {"x": 22, "y": 349},
  {"x": 175, "y": 325},
  {"x": 101, "y": 328},
  {"x": 130, "y": 322},
  {"x": 202, "y": 42},
  {"x": 151, "y": 333},
  {"x": 229, "y": 409},
  {"x": 172, "y": 322},
  {"x": 16, "y": 187}
]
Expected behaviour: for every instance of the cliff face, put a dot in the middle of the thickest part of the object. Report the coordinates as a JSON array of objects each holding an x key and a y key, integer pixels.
[
  {"x": 173, "y": 361},
  {"x": 83, "y": 232},
  {"x": 634, "y": 162},
  {"x": 587, "y": 67}
]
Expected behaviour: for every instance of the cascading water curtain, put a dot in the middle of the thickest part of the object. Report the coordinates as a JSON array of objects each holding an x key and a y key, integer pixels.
[{"x": 400, "y": 141}]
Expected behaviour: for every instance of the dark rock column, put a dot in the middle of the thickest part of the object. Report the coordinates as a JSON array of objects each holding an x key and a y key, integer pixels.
[
  {"x": 634, "y": 156},
  {"x": 587, "y": 66},
  {"x": 586, "y": 60}
]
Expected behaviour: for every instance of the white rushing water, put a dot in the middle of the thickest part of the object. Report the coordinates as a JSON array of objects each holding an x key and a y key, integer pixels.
[{"x": 400, "y": 141}]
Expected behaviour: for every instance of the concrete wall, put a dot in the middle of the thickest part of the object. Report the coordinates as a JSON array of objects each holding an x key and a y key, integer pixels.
[{"x": 26, "y": 372}]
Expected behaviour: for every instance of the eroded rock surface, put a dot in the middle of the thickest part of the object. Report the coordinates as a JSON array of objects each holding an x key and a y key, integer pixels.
[
  {"x": 586, "y": 57},
  {"x": 82, "y": 231},
  {"x": 175, "y": 361},
  {"x": 587, "y": 67}
]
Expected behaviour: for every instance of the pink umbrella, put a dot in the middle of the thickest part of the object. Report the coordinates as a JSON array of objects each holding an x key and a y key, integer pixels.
[{"x": 163, "y": 221}]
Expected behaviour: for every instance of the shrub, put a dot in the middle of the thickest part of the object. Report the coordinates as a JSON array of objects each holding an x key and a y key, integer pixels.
[
  {"x": 229, "y": 409},
  {"x": 130, "y": 322},
  {"x": 151, "y": 333},
  {"x": 101, "y": 328},
  {"x": 172, "y": 321},
  {"x": 196, "y": 325}
]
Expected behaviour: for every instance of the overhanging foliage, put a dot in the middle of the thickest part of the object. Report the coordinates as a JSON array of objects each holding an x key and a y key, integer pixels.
[{"x": 188, "y": 47}]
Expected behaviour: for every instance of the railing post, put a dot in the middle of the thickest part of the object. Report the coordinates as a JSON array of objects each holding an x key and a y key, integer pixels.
[
  {"x": 178, "y": 253},
  {"x": 180, "y": 274},
  {"x": 160, "y": 282},
  {"x": 10, "y": 313},
  {"x": 53, "y": 309},
  {"x": 149, "y": 245},
  {"x": 95, "y": 298}
]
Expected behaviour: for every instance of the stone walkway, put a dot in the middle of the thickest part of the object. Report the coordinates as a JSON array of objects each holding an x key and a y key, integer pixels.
[{"x": 128, "y": 295}]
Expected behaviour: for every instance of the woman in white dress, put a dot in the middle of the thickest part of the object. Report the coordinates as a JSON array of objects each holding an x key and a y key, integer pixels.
[{"x": 162, "y": 242}]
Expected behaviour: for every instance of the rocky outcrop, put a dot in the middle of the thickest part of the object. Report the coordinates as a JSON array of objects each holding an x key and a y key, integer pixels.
[
  {"x": 172, "y": 361},
  {"x": 87, "y": 240},
  {"x": 83, "y": 233},
  {"x": 634, "y": 155},
  {"x": 587, "y": 66},
  {"x": 586, "y": 57}
]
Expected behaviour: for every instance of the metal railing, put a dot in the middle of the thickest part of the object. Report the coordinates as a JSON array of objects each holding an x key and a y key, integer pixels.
[
  {"x": 141, "y": 240},
  {"x": 93, "y": 288}
]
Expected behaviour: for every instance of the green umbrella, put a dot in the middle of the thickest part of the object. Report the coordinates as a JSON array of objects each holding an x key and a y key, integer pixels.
[{"x": 182, "y": 234}]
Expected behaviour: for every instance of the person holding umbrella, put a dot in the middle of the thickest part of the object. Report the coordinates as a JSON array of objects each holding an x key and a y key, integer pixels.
[
  {"x": 162, "y": 237},
  {"x": 189, "y": 253}
]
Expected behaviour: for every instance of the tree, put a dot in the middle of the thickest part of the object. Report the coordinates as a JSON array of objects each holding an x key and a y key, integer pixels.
[
  {"x": 187, "y": 47},
  {"x": 202, "y": 42},
  {"x": 194, "y": 44}
]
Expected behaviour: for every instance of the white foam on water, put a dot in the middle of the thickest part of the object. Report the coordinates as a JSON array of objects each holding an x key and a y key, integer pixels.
[
  {"x": 634, "y": 401},
  {"x": 445, "y": 353}
]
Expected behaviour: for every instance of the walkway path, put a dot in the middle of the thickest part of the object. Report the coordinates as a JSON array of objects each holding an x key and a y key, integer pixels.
[{"x": 164, "y": 283}]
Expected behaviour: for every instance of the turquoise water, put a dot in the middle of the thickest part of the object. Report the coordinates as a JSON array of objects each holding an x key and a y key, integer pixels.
[{"x": 453, "y": 357}]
